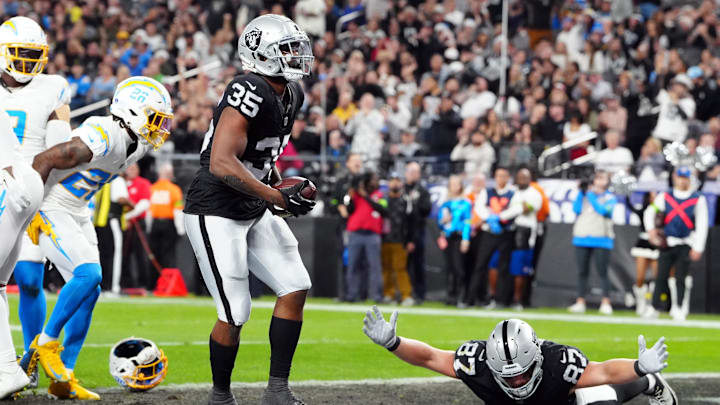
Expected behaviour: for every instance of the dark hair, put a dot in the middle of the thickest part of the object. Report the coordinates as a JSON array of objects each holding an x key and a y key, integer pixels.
[{"x": 575, "y": 114}]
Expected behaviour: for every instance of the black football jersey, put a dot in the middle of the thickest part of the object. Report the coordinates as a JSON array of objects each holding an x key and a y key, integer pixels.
[
  {"x": 562, "y": 367},
  {"x": 270, "y": 117}
]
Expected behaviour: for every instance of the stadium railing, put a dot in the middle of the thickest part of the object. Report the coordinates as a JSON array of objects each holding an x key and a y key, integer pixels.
[{"x": 561, "y": 165}]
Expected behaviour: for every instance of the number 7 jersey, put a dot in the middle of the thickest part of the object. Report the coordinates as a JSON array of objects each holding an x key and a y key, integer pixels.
[
  {"x": 270, "y": 118},
  {"x": 29, "y": 108},
  {"x": 71, "y": 190},
  {"x": 561, "y": 368}
]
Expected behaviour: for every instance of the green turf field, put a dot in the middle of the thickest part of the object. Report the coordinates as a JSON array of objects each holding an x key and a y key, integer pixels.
[{"x": 333, "y": 346}]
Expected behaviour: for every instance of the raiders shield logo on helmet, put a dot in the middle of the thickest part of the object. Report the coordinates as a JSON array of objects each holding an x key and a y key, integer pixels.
[{"x": 252, "y": 39}]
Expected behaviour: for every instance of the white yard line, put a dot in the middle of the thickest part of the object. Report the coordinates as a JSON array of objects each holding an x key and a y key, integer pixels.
[
  {"x": 379, "y": 381},
  {"x": 468, "y": 313}
]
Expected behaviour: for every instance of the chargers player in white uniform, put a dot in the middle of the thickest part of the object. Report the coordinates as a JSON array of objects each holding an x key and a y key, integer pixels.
[
  {"x": 97, "y": 152},
  {"x": 21, "y": 192},
  {"x": 40, "y": 115}
]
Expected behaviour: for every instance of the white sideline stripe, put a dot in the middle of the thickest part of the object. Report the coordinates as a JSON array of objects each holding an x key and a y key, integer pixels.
[
  {"x": 469, "y": 313},
  {"x": 361, "y": 342},
  {"x": 376, "y": 381}
]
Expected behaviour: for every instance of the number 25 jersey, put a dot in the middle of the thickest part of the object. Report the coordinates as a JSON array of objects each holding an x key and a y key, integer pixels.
[
  {"x": 561, "y": 369},
  {"x": 270, "y": 118},
  {"x": 71, "y": 190}
]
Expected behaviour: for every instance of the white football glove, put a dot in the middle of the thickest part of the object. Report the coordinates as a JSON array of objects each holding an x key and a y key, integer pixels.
[
  {"x": 379, "y": 330},
  {"x": 652, "y": 360}
]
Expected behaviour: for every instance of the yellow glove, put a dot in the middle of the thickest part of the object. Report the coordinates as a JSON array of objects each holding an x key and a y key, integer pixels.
[{"x": 36, "y": 226}]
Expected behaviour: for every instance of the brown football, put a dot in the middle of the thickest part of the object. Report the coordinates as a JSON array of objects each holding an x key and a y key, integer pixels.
[{"x": 309, "y": 192}]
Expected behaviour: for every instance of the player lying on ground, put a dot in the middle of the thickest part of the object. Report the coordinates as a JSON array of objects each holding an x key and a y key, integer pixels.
[
  {"x": 514, "y": 366},
  {"x": 99, "y": 150}
]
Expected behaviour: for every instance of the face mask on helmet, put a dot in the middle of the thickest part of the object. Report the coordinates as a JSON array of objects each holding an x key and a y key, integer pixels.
[
  {"x": 157, "y": 129},
  {"x": 137, "y": 364},
  {"x": 25, "y": 59},
  {"x": 296, "y": 57}
]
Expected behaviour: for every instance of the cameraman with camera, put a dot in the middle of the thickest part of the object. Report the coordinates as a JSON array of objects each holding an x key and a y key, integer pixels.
[{"x": 593, "y": 237}]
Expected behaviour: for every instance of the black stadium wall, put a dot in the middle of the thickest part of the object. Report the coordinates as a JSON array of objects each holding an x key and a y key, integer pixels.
[{"x": 321, "y": 249}]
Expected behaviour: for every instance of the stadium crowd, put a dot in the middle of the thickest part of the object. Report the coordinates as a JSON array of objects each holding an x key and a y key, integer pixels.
[{"x": 407, "y": 80}]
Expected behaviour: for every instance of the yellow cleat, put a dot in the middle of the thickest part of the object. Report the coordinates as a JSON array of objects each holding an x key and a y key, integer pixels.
[
  {"x": 49, "y": 358},
  {"x": 71, "y": 390}
]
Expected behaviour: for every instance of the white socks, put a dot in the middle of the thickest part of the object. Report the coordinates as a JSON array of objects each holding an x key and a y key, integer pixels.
[
  {"x": 45, "y": 338},
  {"x": 651, "y": 383},
  {"x": 8, "y": 355}
]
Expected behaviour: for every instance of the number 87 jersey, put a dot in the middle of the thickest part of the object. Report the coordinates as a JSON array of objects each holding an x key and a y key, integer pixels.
[
  {"x": 270, "y": 119},
  {"x": 561, "y": 367}
]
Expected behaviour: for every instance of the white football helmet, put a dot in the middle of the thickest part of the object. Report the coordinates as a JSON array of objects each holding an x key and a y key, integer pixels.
[
  {"x": 137, "y": 364},
  {"x": 23, "y": 48},
  {"x": 273, "y": 45},
  {"x": 145, "y": 107},
  {"x": 514, "y": 358}
]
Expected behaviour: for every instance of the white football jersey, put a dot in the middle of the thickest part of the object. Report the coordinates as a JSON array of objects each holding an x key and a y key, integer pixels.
[
  {"x": 29, "y": 108},
  {"x": 9, "y": 146},
  {"x": 71, "y": 190}
]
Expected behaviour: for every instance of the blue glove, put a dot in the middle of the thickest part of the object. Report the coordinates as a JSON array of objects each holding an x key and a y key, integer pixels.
[{"x": 493, "y": 222}]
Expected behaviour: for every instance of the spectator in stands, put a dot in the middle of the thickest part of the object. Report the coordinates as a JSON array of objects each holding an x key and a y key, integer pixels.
[
  {"x": 613, "y": 158},
  {"x": 651, "y": 163},
  {"x": 305, "y": 138},
  {"x": 454, "y": 221},
  {"x": 103, "y": 87},
  {"x": 366, "y": 209},
  {"x": 166, "y": 205},
  {"x": 497, "y": 235},
  {"x": 593, "y": 237},
  {"x": 135, "y": 266},
  {"x": 676, "y": 108},
  {"x": 685, "y": 233},
  {"x": 419, "y": 205},
  {"x": 475, "y": 152},
  {"x": 614, "y": 116},
  {"x": 364, "y": 128},
  {"x": 480, "y": 101},
  {"x": 353, "y": 171},
  {"x": 442, "y": 134},
  {"x": 520, "y": 151},
  {"x": 397, "y": 234},
  {"x": 79, "y": 85},
  {"x": 552, "y": 126},
  {"x": 310, "y": 16},
  {"x": 573, "y": 129}
]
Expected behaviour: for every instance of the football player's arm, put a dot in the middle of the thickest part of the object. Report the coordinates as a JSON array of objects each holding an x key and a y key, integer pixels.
[
  {"x": 422, "y": 354},
  {"x": 58, "y": 126},
  {"x": 615, "y": 371},
  {"x": 229, "y": 142},
  {"x": 275, "y": 176},
  {"x": 417, "y": 353},
  {"x": 620, "y": 371},
  {"x": 65, "y": 155}
]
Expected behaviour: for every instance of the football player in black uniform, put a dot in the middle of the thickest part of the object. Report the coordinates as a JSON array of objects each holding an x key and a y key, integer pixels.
[
  {"x": 231, "y": 229},
  {"x": 515, "y": 367}
]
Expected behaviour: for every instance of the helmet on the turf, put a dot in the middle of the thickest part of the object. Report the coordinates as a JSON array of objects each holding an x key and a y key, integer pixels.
[
  {"x": 138, "y": 364},
  {"x": 23, "y": 49},
  {"x": 273, "y": 45},
  {"x": 145, "y": 107},
  {"x": 514, "y": 358}
]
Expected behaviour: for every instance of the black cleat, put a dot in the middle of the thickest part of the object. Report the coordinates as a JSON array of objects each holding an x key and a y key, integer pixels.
[
  {"x": 218, "y": 397},
  {"x": 284, "y": 397}
]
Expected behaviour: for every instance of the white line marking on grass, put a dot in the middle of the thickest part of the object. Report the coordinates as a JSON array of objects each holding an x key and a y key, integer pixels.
[
  {"x": 374, "y": 381},
  {"x": 468, "y": 313}
]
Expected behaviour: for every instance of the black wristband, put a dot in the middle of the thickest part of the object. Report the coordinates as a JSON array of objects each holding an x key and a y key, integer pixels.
[
  {"x": 636, "y": 366},
  {"x": 395, "y": 344}
]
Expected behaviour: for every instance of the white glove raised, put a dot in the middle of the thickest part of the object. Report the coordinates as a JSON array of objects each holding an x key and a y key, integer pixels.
[
  {"x": 379, "y": 330},
  {"x": 651, "y": 360}
]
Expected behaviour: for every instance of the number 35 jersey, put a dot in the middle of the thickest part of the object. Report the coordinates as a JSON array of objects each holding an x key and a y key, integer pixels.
[
  {"x": 71, "y": 190},
  {"x": 270, "y": 118},
  {"x": 29, "y": 108},
  {"x": 561, "y": 368}
]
